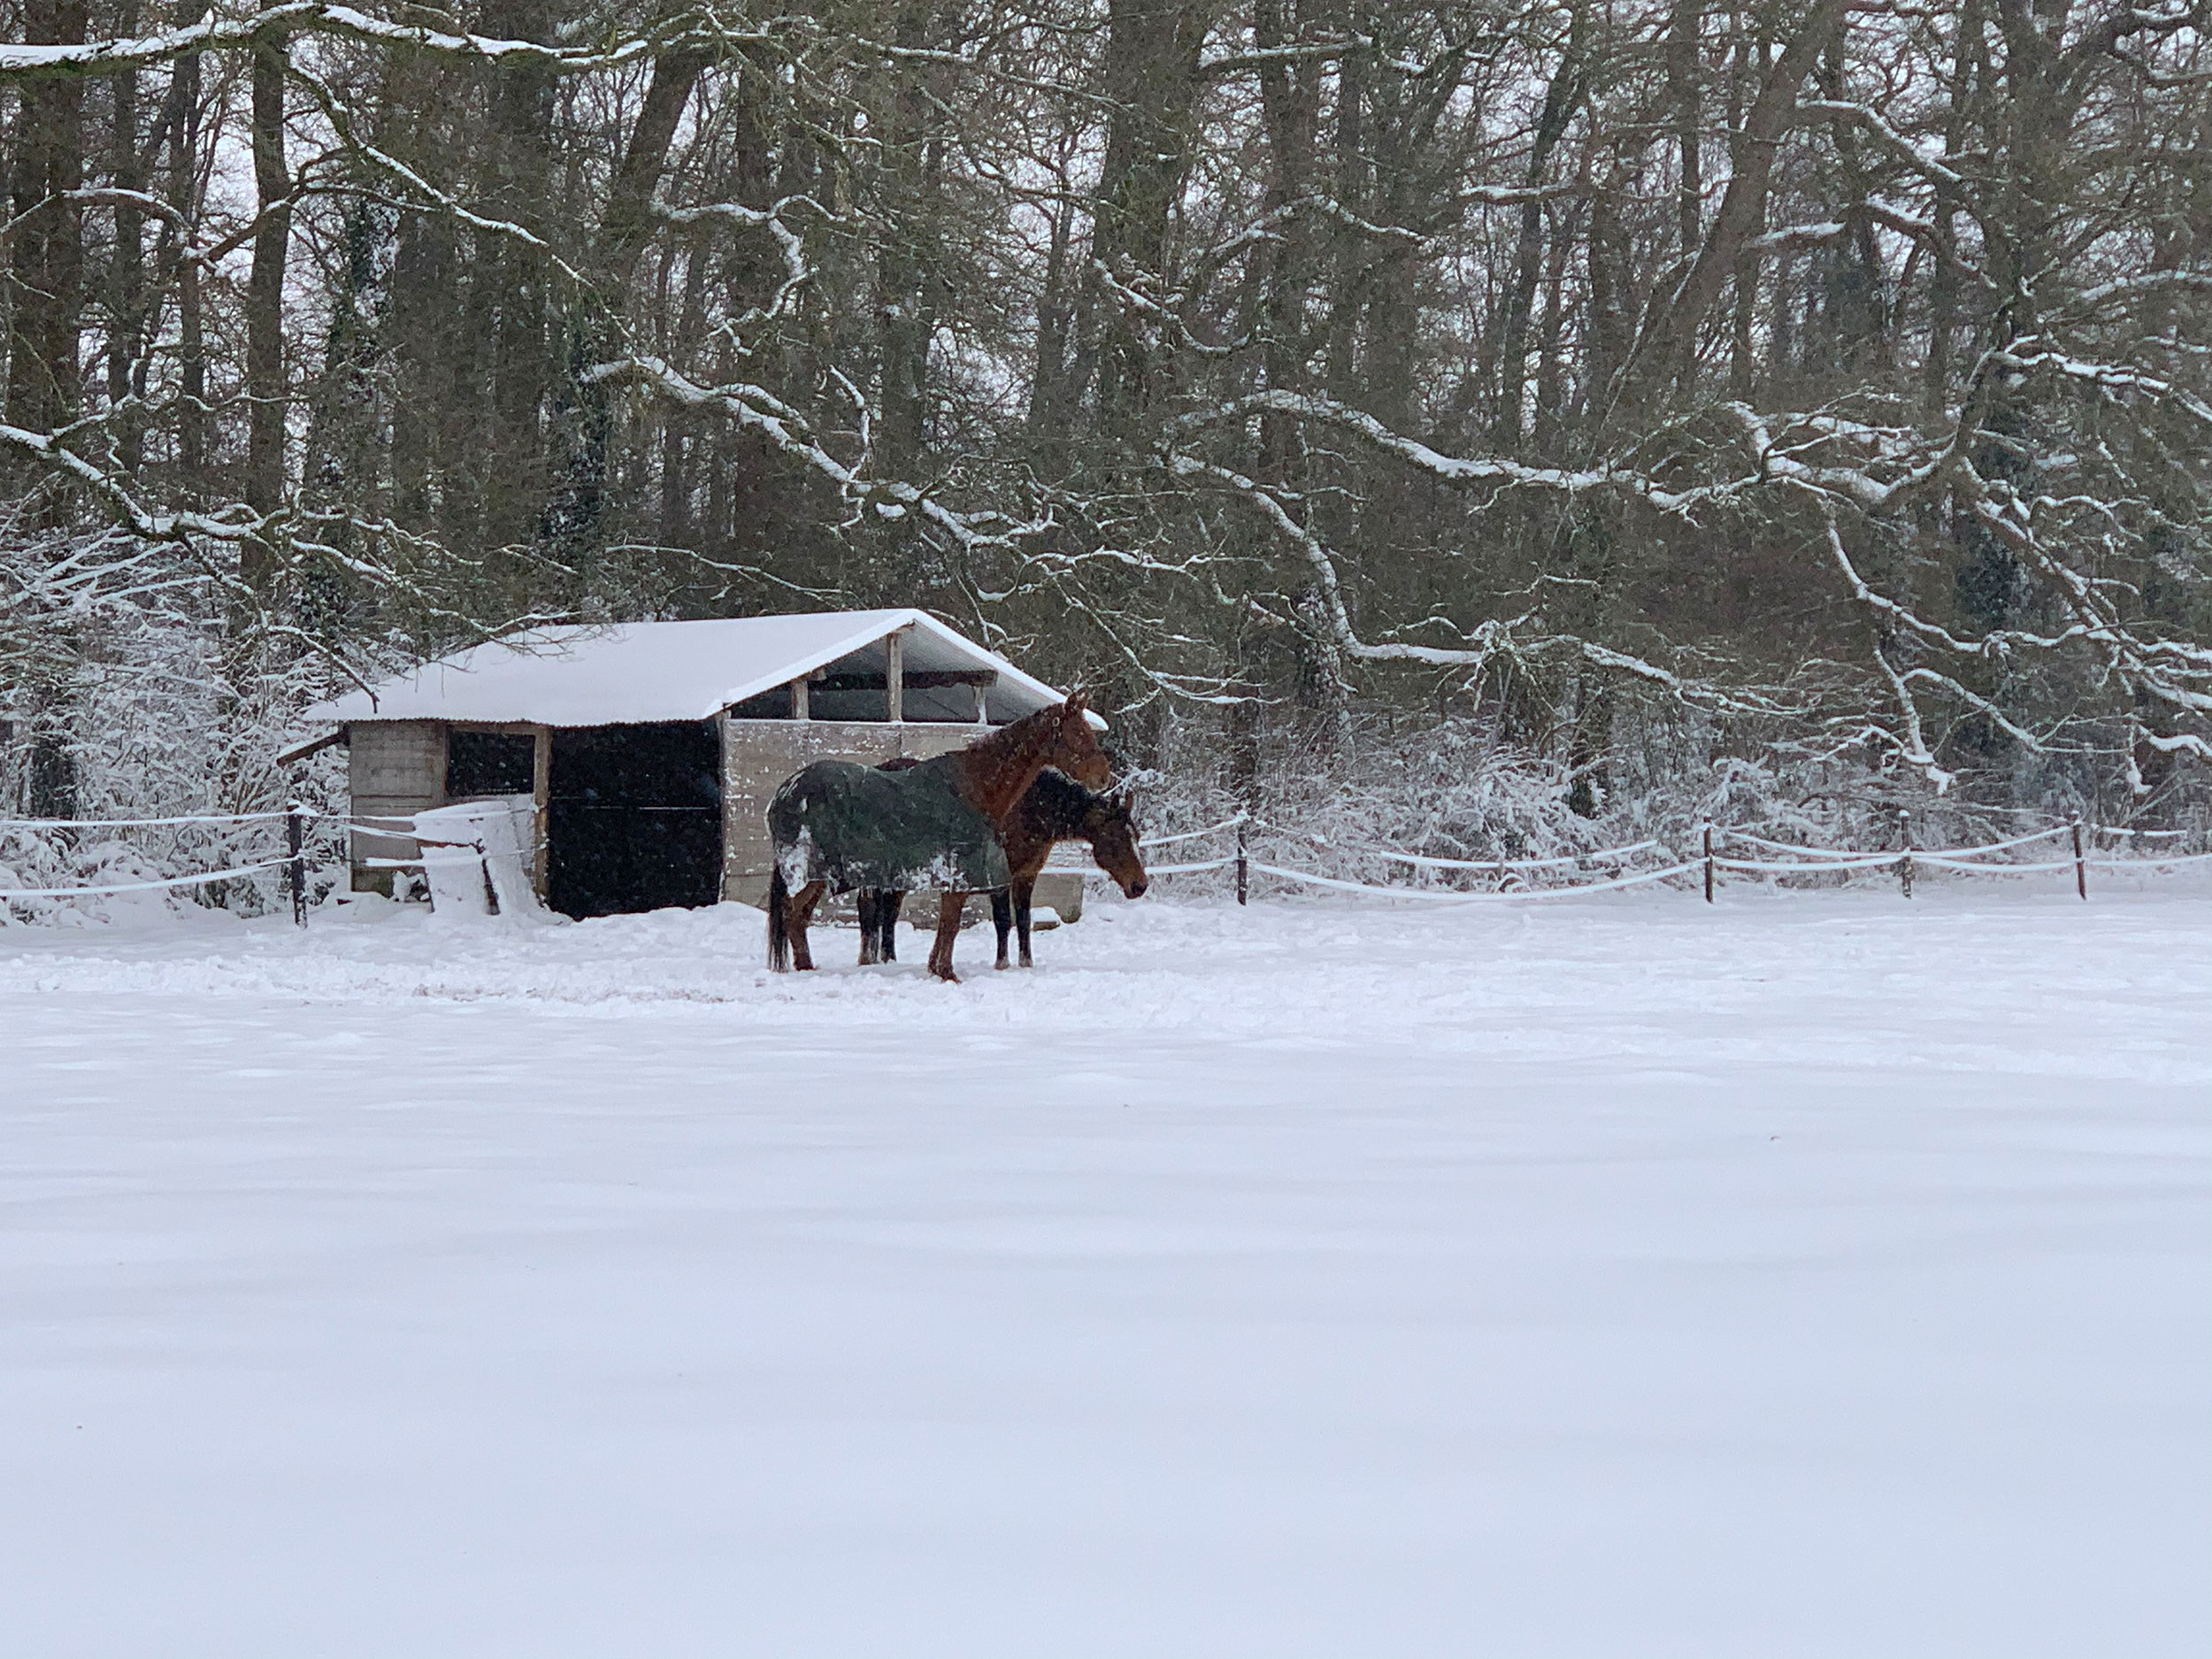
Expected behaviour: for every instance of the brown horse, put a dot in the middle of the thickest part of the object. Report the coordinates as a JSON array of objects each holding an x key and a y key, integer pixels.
[
  {"x": 1054, "y": 811},
  {"x": 837, "y": 826}
]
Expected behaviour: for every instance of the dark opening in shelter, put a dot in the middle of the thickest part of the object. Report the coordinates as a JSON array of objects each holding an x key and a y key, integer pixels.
[
  {"x": 634, "y": 818},
  {"x": 487, "y": 763}
]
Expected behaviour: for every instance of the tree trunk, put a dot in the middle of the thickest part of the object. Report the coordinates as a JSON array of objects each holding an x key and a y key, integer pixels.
[
  {"x": 1669, "y": 344},
  {"x": 1562, "y": 93},
  {"x": 44, "y": 325},
  {"x": 1686, "y": 71},
  {"x": 1151, "y": 81},
  {"x": 265, "y": 386},
  {"x": 127, "y": 265},
  {"x": 181, "y": 119},
  {"x": 627, "y": 223},
  {"x": 906, "y": 302},
  {"x": 1289, "y": 95}
]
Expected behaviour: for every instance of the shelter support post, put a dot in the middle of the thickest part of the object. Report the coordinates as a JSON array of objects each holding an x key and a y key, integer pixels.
[
  {"x": 894, "y": 676},
  {"x": 733, "y": 829},
  {"x": 542, "y": 802},
  {"x": 799, "y": 710},
  {"x": 2081, "y": 866}
]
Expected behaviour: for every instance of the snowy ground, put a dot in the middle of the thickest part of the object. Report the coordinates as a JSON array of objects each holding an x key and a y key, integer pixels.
[{"x": 1812, "y": 1275}]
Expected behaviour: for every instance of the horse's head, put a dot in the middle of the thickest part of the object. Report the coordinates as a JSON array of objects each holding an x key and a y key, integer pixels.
[
  {"x": 1111, "y": 830},
  {"x": 1075, "y": 749}
]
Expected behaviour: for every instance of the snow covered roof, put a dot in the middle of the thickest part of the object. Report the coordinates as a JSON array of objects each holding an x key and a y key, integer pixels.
[{"x": 631, "y": 674}]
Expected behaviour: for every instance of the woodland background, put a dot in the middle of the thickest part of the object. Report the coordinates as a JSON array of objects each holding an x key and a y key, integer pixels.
[{"x": 1496, "y": 426}]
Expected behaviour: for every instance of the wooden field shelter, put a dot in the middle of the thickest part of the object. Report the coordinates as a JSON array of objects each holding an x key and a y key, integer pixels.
[{"x": 650, "y": 751}]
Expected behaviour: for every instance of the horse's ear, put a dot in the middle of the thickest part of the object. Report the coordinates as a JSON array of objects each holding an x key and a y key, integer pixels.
[{"x": 1079, "y": 700}]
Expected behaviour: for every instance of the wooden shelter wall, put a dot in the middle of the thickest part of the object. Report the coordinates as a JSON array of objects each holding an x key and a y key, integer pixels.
[{"x": 395, "y": 769}]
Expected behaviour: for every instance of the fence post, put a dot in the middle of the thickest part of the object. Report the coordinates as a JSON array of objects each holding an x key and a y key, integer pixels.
[
  {"x": 1904, "y": 864},
  {"x": 2081, "y": 867},
  {"x": 296, "y": 862},
  {"x": 1243, "y": 874},
  {"x": 1709, "y": 864}
]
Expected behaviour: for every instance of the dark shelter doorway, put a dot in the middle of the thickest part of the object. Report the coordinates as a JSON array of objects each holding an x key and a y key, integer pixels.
[{"x": 633, "y": 820}]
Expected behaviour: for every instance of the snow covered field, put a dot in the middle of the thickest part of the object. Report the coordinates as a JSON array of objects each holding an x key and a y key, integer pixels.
[{"x": 1811, "y": 1275}]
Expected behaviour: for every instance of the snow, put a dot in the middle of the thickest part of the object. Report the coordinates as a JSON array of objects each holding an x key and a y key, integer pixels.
[
  {"x": 639, "y": 672},
  {"x": 1811, "y": 1274}
]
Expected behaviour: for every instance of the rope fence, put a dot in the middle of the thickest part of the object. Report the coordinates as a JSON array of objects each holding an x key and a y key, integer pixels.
[
  {"x": 394, "y": 826},
  {"x": 1430, "y": 896},
  {"x": 1608, "y": 855},
  {"x": 140, "y": 886},
  {"x": 1797, "y": 860},
  {"x": 1178, "y": 870},
  {"x": 136, "y": 823},
  {"x": 1197, "y": 834},
  {"x": 1826, "y": 852},
  {"x": 293, "y": 861}
]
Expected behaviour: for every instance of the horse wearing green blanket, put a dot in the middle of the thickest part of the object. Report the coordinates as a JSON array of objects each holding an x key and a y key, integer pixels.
[{"x": 835, "y": 826}]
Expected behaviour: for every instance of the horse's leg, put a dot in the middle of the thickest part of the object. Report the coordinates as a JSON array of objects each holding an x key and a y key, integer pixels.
[
  {"x": 949, "y": 908},
  {"x": 889, "y": 903},
  {"x": 1001, "y": 921},
  {"x": 1024, "y": 892},
  {"x": 802, "y": 903},
  {"x": 779, "y": 922},
  {"x": 866, "y": 901}
]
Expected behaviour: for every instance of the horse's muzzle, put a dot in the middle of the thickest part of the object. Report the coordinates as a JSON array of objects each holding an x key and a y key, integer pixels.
[{"x": 1135, "y": 889}]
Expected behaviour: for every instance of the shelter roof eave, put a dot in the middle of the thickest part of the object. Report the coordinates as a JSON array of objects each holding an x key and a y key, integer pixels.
[{"x": 631, "y": 674}]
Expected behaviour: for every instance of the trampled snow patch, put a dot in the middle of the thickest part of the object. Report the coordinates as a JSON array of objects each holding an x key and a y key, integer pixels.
[{"x": 1811, "y": 1274}]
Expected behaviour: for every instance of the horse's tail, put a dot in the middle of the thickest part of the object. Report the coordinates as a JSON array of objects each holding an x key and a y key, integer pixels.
[{"x": 779, "y": 922}]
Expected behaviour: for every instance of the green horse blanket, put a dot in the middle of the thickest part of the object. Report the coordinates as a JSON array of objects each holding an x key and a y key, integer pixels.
[{"x": 855, "y": 826}]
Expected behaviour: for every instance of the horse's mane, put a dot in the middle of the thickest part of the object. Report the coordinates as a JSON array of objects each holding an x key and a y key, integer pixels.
[{"x": 1059, "y": 800}]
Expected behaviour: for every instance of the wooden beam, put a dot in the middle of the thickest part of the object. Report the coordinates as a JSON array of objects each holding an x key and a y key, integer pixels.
[
  {"x": 894, "y": 676},
  {"x": 726, "y": 843},
  {"x": 915, "y": 678},
  {"x": 541, "y": 799},
  {"x": 799, "y": 699},
  {"x": 298, "y": 751}
]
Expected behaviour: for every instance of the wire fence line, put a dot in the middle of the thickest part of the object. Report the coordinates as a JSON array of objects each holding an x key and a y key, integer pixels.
[
  {"x": 199, "y": 880},
  {"x": 293, "y": 861},
  {"x": 1800, "y": 859},
  {"x": 1433, "y": 896},
  {"x": 1196, "y": 834},
  {"x": 1612, "y": 854},
  {"x": 1871, "y": 861},
  {"x": 136, "y": 823},
  {"x": 1956, "y": 852},
  {"x": 1222, "y": 862}
]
